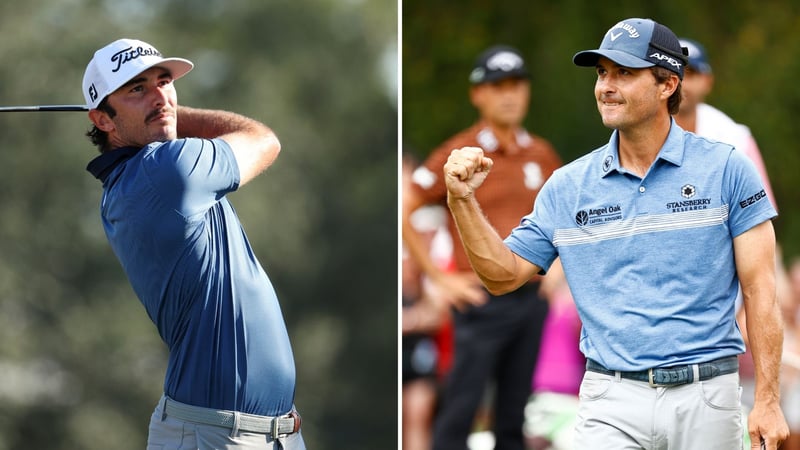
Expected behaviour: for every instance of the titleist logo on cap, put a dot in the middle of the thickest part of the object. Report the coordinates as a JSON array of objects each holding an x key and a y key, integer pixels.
[{"x": 130, "y": 53}]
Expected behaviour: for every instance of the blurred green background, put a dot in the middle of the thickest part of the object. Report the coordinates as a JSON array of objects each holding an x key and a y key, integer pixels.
[
  {"x": 81, "y": 366},
  {"x": 754, "y": 47}
]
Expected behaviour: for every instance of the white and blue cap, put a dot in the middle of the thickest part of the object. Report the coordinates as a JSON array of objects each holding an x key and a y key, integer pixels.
[
  {"x": 698, "y": 58},
  {"x": 638, "y": 43},
  {"x": 119, "y": 62}
]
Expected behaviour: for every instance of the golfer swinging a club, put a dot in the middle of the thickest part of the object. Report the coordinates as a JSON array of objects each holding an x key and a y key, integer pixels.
[{"x": 166, "y": 170}]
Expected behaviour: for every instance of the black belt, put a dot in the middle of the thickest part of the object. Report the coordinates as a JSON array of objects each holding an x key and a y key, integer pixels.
[{"x": 673, "y": 376}]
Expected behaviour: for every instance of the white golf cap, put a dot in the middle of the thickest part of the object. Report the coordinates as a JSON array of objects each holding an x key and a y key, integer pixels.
[{"x": 119, "y": 62}]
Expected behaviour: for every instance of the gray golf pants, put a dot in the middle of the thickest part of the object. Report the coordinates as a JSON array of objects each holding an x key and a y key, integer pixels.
[{"x": 620, "y": 414}]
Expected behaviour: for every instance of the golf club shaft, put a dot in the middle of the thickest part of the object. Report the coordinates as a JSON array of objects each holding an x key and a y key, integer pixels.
[{"x": 43, "y": 108}]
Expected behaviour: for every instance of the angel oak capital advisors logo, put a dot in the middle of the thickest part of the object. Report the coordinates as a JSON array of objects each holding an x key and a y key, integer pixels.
[
  {"x": 603, "y": 214},
  {"x": 582, "y": 218}
]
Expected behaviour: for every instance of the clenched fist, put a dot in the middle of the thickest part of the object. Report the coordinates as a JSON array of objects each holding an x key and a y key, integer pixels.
[{"x": 465, "y": 170}]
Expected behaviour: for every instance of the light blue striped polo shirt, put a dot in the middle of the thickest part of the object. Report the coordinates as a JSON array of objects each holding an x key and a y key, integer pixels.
[{"x": 649, "y": 261}]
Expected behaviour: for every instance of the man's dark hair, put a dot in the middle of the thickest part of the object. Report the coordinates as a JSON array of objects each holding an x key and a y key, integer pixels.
[
  {"x": 98, "y": 136},
  {"x": 674, "y": 101}
]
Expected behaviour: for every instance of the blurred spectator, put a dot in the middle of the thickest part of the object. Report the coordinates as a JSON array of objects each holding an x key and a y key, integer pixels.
[
  {"x": 705, "y": 120},
  {"x": 495, "y": 338},
  {"x": 422, "y": 317},
  {"x": 790, "y": 376},
  {"x": 551, "y": 413}
]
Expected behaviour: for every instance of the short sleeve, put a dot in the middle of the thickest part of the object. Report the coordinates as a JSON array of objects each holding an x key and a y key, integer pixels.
[
  {"x": 192, "y": 174},
  {"x": 532, "y": 238},
  {"x": 746, "y": 194}
]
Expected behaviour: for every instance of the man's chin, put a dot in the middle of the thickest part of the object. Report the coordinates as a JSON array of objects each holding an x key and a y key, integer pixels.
[
  {"x": 510, "y": 120},
  {"x": 164, "y": 137},
  {"x": 167, "y": 130}
]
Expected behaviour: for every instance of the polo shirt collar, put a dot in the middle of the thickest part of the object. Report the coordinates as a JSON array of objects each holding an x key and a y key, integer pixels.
[
  {"x": 672, "y": 151},
  {"x": 104, "y": 164}
]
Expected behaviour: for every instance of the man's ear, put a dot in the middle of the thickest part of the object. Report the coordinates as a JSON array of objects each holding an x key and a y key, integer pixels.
[
  {"x": 475, "y": 96},
  {"x": 671, "y": 85},
  {"x": 709, "y": 83},
  {"x": 101, "y": 120}
]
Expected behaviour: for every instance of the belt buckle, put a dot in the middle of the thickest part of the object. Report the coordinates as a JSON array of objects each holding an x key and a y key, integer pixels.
[
  {"x": 275, "y": 424},
  {"x": 651, "y": 381},
  {"x": 297, "y": 421}
]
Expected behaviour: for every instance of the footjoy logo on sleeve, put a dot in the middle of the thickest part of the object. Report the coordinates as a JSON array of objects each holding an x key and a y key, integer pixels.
[{"x": 130, "y": 53}]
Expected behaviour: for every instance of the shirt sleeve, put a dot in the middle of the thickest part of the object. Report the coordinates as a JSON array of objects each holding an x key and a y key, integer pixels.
[
  {"x": 192, "y": 174},
  {"x": 746, "y": 194},
  {"x": 532, "y": 238}
]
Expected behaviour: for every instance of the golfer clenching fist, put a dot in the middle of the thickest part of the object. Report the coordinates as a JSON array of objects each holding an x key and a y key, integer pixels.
[
  {"x": 465, "y": 170},
  {"x": 655, "y": 324},
  {"x": 499, "y": 269}
]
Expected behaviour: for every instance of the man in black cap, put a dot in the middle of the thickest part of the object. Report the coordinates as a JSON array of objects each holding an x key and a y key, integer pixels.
[
  {"x": 495, "y": 337},
  {"x": 655, "y": 231}
]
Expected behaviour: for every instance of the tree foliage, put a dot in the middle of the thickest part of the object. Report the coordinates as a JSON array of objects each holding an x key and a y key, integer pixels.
[
  {"x": 82, "y": 365},
  {"x": 753, "y": 47}
]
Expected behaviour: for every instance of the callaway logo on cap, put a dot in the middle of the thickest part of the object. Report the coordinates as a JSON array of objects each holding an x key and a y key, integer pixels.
[
  {"x": 498, "y": 63},
  {"x": 638, "y": 43},
  {"x": 119, "y": 62}
]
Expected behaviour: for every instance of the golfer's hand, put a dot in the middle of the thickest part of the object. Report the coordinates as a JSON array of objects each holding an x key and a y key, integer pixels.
[
  {"x": 461, "y": 290},
  {"x": 465, "y": 170},
  {"x": 766, "y": 423}
]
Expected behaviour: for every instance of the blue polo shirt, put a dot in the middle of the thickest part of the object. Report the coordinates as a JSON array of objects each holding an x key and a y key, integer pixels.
[
  {"x": 649, "y": 260},
  {"x": 188, "y": 259}
]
